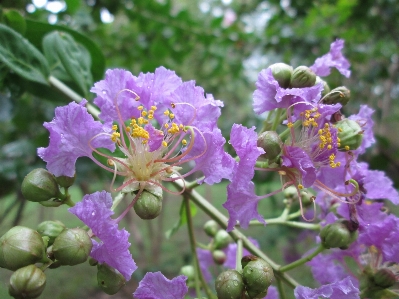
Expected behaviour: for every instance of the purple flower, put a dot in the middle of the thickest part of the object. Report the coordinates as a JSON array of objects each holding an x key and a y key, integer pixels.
[
  {"x": 334, "y": 58},
  {"x": 343, "y": 289},
  {"x": 157, "y": 286},
  {"x": 73, "y": 134},
  {"x": 242, "y": 202},
  {"x": 113, "y": 246},
  {"x": 295, "y": 157},
  {"x": 272, "y": 293},
  {"x": 325, "y": 270},
  {"x": 367, "y": 123}
]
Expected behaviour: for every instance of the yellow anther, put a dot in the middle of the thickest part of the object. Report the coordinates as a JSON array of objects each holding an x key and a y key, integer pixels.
[
  {"x": 150, "y": 116},
  {"x": 143, "y": 113},
  {"x": 110, "y": 162},
  {"x": 184, "y": 142},
  {"x": 329, "y": 146},
  {"x": 300, "y": 186},
  {"x": 347, "y": 147},
  {"x": 140, "y": 107},
  {"x": 140, "y": 120},
  {"x": 171, "y": 115},
  {"x": 166, "y": 126},
  {"x": 114, "y": 127},
  {"x": 128, "y": 129},
  {"x": 290, "y": 124},
  {"x": 166, "y": 112},
  {"x": 153, "y": 108},
  {"x": 164, "y": 144},
  {"x": 340, "y": 130}
]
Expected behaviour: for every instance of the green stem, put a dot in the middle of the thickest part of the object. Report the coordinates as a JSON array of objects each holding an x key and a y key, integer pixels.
[
  {"x": 303, "y": 260},
  {"x": 216, "y": 215},
  {"x": 239, "y": 255},
  {"x": 284, "y": 135},
  {"x": 72, "y": 95},
  {"x": 276, "y": 120},
  {"x": 304, "y": 225},
  {"x": 198, "y": 272},
  {"x": 280, "y": 288},
  {"x": 193, "y": 184}
]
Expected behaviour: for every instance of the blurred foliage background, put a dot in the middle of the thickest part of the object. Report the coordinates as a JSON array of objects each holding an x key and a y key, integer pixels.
[{"x": 222, "y": 44}]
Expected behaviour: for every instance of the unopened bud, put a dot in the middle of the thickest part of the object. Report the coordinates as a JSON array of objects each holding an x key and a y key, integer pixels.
[
  {"x": 350, "y": 134},
  {"x": 211, "y": 228},
  {"x": 27, "y": 282},
  {"x": 290, "y": 193},
  {"x": 109, "y": 279},
  {"x": 258, "y": 276},
  {"x": 229, "y": 285},
  {"x": 65, "y": 181},
  {"x": 337, "y": 235},
  {"x": 188, "y": 271},
  {"x": 282, "y": 73},
  {"x": 384, "y": 278},
  {"x": 222, "y": 239},
  {"x": 302, "y": 76},
  {"x": 270, "y": 141},
  {"x": 72, "y": 246},
  {"x": 51, "y": 229},
  {"x": 340, "y": 95},
  {"x": 219, "y": 257},
  {"x": 19, "y": 247},
  {"x": 39, "y": 185},
  {"x": 148, "y": 206}
]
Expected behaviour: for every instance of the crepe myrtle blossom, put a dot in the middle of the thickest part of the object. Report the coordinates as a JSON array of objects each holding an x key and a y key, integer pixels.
[
  {"x": 269, "y": 95},
  {"x": 154, "y": 124},
  {"x": 157, "y": 286},
  {"x": 112, "y": 246}
]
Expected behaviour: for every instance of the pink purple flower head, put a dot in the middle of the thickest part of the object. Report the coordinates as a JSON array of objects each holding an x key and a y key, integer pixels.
[
  {"x": 157, "y": 286},
  {"x": 334, "y": 58},
  {"x": 343, "y": 289},
  {"x": 113, "y": 246}
]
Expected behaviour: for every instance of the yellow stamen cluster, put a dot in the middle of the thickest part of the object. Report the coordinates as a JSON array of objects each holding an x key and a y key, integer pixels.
[
  {"x": 325, "y": 137},
  {"x": 310, "y": 117},
  {"x": 115, "y": 135},
  {"x": 332, "y": 162}
]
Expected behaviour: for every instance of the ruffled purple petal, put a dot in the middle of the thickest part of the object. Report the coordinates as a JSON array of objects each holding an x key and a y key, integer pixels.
[
  {"x": 295, "y": 157},
  {"x": 113, "y": 248},
  {"x": 70, "y": 133},
  {"x": 272, "y": 293},
  {"x": 157, "y": 286},
  {"x": 343, "y": 289},
  {"x": 334, "y": 58},
  {"x": 156, "y": 137},
  {"x": 325, "y": 270},
  {"x": 206, "y": 261},
  {"x": 367, "y": 123}
]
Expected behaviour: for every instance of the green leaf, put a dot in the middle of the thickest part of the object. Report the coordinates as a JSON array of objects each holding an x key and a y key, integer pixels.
[
  {"x": 15, "y": 20},
  {"x": 182, "y": 220},
  {"x": 22, "y": 57},
  {"x": 65, "y": 55},
  {"x": 35, "y": 32}
]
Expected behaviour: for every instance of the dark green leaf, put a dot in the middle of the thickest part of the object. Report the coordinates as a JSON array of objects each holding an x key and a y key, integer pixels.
[
  {"x": 21, "y": 56},
  {"x": 14, "y": 20}
]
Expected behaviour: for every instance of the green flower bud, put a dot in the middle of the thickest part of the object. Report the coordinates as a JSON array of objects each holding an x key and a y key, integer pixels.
[
  {"x": 148, "y": 206},
  {"x": 222, "y": 239},
  {"x": 270, "y": 141},
  {"x": 339, "y": 95},
  {"x": 211, "y": 227},
  {"x": 109, "y": 279},
  {"x": 65, "y": 181},
  {"x": 72, "y": 246},
  {"x": 258, "y": 276},
  {"x": 246, "y": 259},
  {"x": 39, "y": 185},
  {"x": 326, "y": 88},
  {"x": 282, "y": 73},
  {"x": 50, "y": 229},
  {"x": 19, "y": 247},
  {"x": 92, "y": 262},
  {"x": 27, "y": 282},
  {"x": 337, "y": 235},
  {"x": 384, "y": 278},
  {"x": 188, "y": 271},
  {"x": 219, "y": 257},
  {"x": 229, "y": 285},
  {"x": 290, "y": 193},
  {"x": 302, "y": 76},
  {"x": 350, "y": 134}
]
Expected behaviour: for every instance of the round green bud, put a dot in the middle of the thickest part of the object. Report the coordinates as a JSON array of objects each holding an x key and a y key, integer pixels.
[
  {"x": 229, "y": 285},
  {"x": 222, "y": 239},
  {"x": 302, "y": 76},
  {"x": 340, "y": 95},
  {"x": 50, "y": 229},
  {"x": 258, "y": 276},
  {"x": 350, "y": 134},
  {"x": 109, "y": 279},
  {"x": 337, "y": 235},
  {"x": 188, "y": 271},
  {"x": 219, "y": 257},
  {"x": 39, "y": 185},
  {"x": 72, "y": 246},
  {"x": 384, "y": 278},
  {"x": 282, "y": 73},
  {"x": 19, "y": 247},
  {"x": 270, "y": 141},
  {"x": 148, "y": 206},
  {"x": 27, "y": 282},
  {"x": 291, "y": 193},
  {"x": 326, "y": 88},
  {"x": 65, "y": 181},
  {"x": 211, "y": 227}
]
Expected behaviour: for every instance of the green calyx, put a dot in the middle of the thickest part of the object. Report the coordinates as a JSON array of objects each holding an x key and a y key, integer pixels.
[
  {"x": 337, "y": 235},
  {"x": 229, "y": 285},
  {"x": 19, "y": 247},
  {"x": 50, "y": 229},
  {"x": 340, "y": 95},
  {"x": 221, "y": 240},
  {"x": 27, "y": 282},
  {"x": 211, "y": 228},
  {"x": 72, "y": 247},
  {"x": 109, "y": 279},
  {"x": 219, "y": 257},
  {"x": 302, "y": 76},
  {"x": 282, "y": 73},
  {"x": 65, "y": 181},
  {"x": 271, "y": 143},
  {"x": 40, "y": 185},
  {"x": 350, "y": 134},
  {"x": 384, "y": 278},
  {"x": 258, "y": 276},
  {"x": 148, "y": 206}
]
